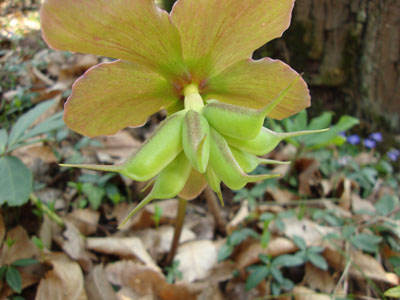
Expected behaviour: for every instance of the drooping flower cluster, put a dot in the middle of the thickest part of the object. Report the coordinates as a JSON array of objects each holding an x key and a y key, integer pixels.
[{"x": 195, "y": 63}]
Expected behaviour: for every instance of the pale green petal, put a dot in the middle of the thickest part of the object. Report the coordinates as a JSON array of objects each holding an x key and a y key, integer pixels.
[
  {"x": 254, "y": 84},
  {"x": 217, "y": 33},
  {"x": 112, "y": 96},
  {"x": 133, "y": 30}
]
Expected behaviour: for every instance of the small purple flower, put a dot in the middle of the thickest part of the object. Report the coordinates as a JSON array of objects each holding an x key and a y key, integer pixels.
[
  {"x": 353, "y": 139},
  {"x": 369, "y": 143},
  {"x": 393, "y": 154},
  {"x": 343, "y": 134},
  {"x": 376, "y": 136}
]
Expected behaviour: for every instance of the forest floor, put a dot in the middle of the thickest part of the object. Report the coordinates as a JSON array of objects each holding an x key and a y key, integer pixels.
[{"x": 328, "y": 229}]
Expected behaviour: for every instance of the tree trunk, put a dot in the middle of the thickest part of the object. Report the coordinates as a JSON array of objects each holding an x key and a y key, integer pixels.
[{"x": 349, "y": 51}]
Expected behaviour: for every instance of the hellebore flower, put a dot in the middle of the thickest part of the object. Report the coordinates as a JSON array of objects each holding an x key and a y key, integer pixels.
[
  {"x": 180, "y": 61},
  {"x": 353, "y": 139}
]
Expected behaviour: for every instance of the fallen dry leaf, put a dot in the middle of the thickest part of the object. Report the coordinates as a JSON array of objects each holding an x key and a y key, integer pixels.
[
  {"x": 363, "y": 265},
  {"x": 310, "y": 231},
  {"x": 303, "y": 293},
  {"x": 46, "y": 232},
  {"x": 97, "y": 285},
  {"x": 309, "y": 174},
  {"x": 361, "y": 206},
  {"x": 22, "y": 247},
  {"x": 144, "y": 218},
  {"x": 63, "y": 282},
  {"x": 39, "y": 151},
  {"x": 116, "y": 148},
  {"x": 85, "y": 220},
  {"x": 318, "y": 279},
  {"x": 250, "y": 254},
  {"x": 158, "y": 241},
  {"x": 196, "y": 259},
  {"x": 281, "y": 196},
  {"x": 146, "y": 282},
  {"x": 240, "y": 216},
  {"x": 73, "y": 243},
  {"x": 124, "y": 247},
  {"x": 166, "y": 234}
]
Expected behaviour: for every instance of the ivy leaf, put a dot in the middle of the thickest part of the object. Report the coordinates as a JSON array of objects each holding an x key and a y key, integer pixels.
[
  {"x": 366, "y": 242},
  {"x": 300, "y": 242},
  {"x": 224, "y": 252},
  {"x": 258, "y": 274},
  {"x": 24, "y": 262},
  {"x": 317, "y": 260},
  {"x": 15, "y": 181},
  {"x": 13, "y": 278},
  {"x": 287, "y": 260}
]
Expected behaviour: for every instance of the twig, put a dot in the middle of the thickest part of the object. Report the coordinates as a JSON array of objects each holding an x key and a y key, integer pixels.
[
  {"x": 344, "y": 277},
  {"x": 180, "y": 217}
]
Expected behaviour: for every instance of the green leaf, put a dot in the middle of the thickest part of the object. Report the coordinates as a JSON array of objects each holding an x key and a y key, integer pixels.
[
  {"x": 224, "y": 252},
  {"x": 3, "y": 271},
  {"x": 24, "y": 262},
  {"x": 94, "y": 194},
  {"x": 267, "y": 216},
  {"x": 317, "y": 260},
  {"x": 321, "y": 122},
  {"x": 315, "y": 249},
  {"x": 257, "y": 275},
  {"x": 3, "y": 140},
  {"x": 13, "y": 278},
  {"x": 287, "y": 260},
  {"x": 300, "y": 242},
  {"x": 264, "y": 258},
  {"x": 265, "y": 238},
  {"x": 287, "y": 284},
  {"x": 300, "y": 120},
  {"x": 276, "y": 273},
  {"x": 366, "y": 242},
  {"x": 26, "y": 120},
  {"x": 386, "y": 204},
  {"x": 275, "y": 288},
  {"x": 15, "y": 181},
  {"x": 52, "y": 123},
  {"x": 240, "y": 235},
  {"x": 393, "y": 292},
  {"x": 323, "y": 139}
]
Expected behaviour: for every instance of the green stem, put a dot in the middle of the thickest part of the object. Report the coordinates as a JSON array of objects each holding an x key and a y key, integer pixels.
[
  {"x": 43, "y": 208},
  {"x": 193, "y": 99},
  {"x": 180, "y": 217},
  {"x": 212, "y": 203}
]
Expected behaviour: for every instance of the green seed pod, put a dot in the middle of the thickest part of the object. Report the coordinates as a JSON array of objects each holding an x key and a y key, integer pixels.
[
  {"x": 168, "y": 183},
  {"x": 265, "y": 141},
  {"x": 226, "y": 167},
  {"x": 214, "y": 182},
  {"x": 248, "y": 162},
  {"x": 154, "y": 154},
  {"x": 196, "y": 140},
  {"x": 237, "y": 121}
]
